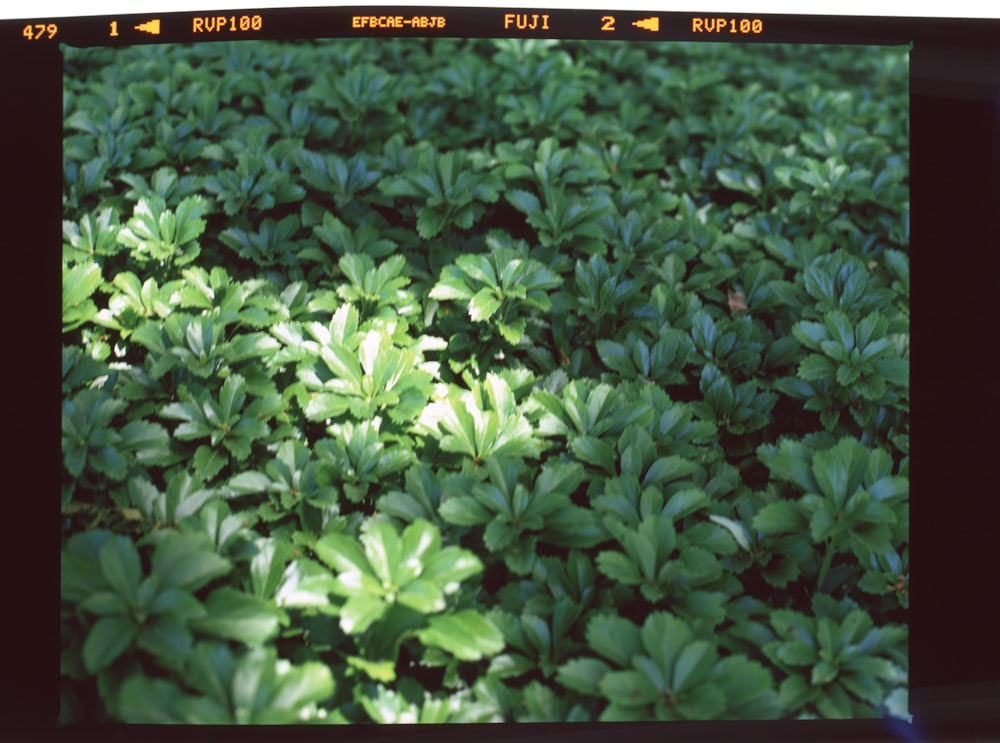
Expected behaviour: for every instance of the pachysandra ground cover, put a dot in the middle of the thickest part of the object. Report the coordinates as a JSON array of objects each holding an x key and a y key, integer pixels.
[{"x": 446, "y": 380}]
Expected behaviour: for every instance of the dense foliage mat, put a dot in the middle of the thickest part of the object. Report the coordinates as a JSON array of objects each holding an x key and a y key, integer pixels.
[{"x": 471, "y": 380}]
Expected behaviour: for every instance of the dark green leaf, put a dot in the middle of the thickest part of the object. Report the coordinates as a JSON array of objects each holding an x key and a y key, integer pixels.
[
  {"x": 628, "y": 688},
  {"x": 583, "y": 675},
  {"x": 107, "y": 639},
  {"x": 466, "y": 634},
  {"x": 188, "y": 561},
  {"x": 234, "y": 615},
  {"x": 120, "y": 566}
]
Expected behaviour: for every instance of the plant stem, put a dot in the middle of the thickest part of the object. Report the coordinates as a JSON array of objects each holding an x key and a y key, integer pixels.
[{"x": 825, "y": 568}]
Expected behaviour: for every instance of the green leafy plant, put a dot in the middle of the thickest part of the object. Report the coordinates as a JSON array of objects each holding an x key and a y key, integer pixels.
[
  {"x": 452, "y": 193},
  {"x": 516, "y": 517},
  {"x": 661, "y": 361},
  {"x": 560, "y": 217},
  {"x": 196, "y": 346},
  {"x": 502, "y": 288},
  {"x": 358, "y": 459},
  {"x": 536, "y": 642},
  {"x": 271, "y": 243},
  {"x": 334, "y": 176},
  {"x": 481, "y": 422},
  {"x": 400, "y": 583},
  {"x": 364, "y": 373},
  {"x": 134, "y": 303},
  {"x": 93, "y": 445},
  {"x": 343, "y": 240},
  {"x": 739, "y": 409},
  {"x": 419, "y": 498},
  {"x": 102, "y": 575},
  {"x": 837, "y": 661},
  {"x": 255, "y": 688},
  {"x": 292, "y": 481},
  {"x": 858, "y": 363},
  {"x": 847, "y": 505},
  {"x": 224, "y": 422},
  {"x": 257, "y": 183},
  {"x": 377, "y": 291},
  {"x": 155, "y": 233},
  {"x": 662, "y": 671},
  {"x": 94, "y": 235},
  {"x": 554, "y": 110},
  {"x": 79, "y": 284},
  {"x": 183, "y": 497},
  {"x": 389, "y": 401}
]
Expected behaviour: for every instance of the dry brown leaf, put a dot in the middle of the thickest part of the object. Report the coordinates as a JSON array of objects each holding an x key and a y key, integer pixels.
[
  {"x": 737, "y": 303},
  {"x": 130, "y": 514}
]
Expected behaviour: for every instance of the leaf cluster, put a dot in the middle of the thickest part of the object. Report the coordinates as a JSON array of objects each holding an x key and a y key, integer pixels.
[{"x": 385, "y": 400}]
